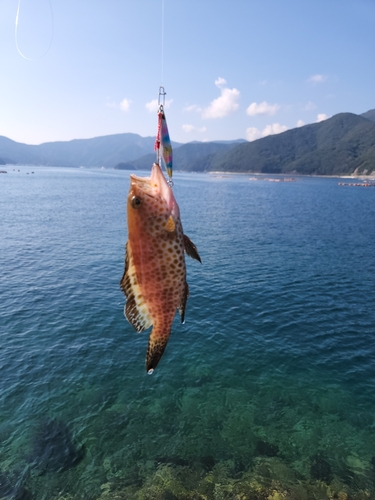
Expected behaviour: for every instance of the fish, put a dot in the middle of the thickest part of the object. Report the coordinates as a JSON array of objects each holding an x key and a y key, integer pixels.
[{"x": 154, "y": 279}]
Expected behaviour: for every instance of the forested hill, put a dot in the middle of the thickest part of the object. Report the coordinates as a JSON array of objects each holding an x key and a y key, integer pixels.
[
  {"x": 343, "y": 144},
  {"x": 105, "y": 151},
  {"x": 188, "y": 157},
  {"x": 370, "y": 115}
]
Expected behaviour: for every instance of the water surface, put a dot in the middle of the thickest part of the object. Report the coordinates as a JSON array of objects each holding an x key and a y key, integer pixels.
[{"x": 267, "y": 389}]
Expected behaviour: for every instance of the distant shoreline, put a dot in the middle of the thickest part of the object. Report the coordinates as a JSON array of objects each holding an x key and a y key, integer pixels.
[
  {"x": 364, "y": 177},
  {"x": 254, "y": 174}
]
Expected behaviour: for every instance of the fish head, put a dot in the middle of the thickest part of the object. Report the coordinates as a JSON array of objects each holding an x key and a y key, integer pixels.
[{"x": 150, "y": 199}]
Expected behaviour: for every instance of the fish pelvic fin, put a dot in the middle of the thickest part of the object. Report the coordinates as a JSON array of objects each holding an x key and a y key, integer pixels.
[
  {"x": 191, "y": 249},
  {"x": 156, "y": 346},
  {"x": 135, "y": 310},
  {"x": 123, "y": 279}
]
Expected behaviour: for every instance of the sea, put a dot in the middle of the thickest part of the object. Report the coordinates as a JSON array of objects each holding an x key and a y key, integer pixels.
[{"x": 267, "y": 391}]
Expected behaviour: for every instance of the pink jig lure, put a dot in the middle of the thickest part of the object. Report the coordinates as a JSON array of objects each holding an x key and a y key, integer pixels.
[{"x": 163, "y": 143}]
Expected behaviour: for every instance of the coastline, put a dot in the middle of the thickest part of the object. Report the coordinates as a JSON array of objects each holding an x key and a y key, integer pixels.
[{"x": 362, "y": 177}]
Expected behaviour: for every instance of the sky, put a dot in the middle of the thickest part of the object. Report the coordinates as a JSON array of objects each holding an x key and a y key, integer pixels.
[{"x": 238, "y": 69}]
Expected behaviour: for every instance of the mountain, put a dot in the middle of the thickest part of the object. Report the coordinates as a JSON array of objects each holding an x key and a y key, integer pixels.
[
  {"x": 184, "y": 157},
  {"x": 370, "y": 115},
  {"x": 341, "y": 145},
  {"x": 96, "y": 152}
]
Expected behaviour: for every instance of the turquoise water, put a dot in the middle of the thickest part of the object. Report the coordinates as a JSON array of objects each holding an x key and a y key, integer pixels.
[{"x": 266, "y": 391}]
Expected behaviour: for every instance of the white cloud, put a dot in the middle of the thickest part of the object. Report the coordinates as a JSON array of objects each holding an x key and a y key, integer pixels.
[
  {"x": 253, "y": 133},
  {"x": 125, "y": 105},
  {"x": 275, "y": 128},
  {"x": 223, "y": 105},
  {"x": 190, "y": 128},
  {"x": 321, "y": 117},
  {"x": 300, "y": 123},
  {"x": 153, "y": 105},
  {"x": 318, "y": 79},
  {"x": 220, "y": 82},
  {"x": 263, "y": 108}
]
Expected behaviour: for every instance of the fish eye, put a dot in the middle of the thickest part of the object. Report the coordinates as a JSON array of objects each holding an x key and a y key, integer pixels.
[{"x": 136, "y": 202}]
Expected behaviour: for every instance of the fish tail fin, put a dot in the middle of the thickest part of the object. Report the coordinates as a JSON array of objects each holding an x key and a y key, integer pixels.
[{"x": 156, "y": 346}]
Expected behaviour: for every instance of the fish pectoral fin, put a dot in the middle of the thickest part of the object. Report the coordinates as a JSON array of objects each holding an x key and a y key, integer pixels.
[
  {"x": 182, "y": 306},
  {"x": 170, "y": 225},
  {"x": 156, "y": 346},
  {"x": 136, "y": 310},
  {"x": 191, "y": 249}
]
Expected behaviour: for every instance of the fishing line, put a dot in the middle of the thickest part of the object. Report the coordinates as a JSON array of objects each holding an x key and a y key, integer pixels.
[
  {"x": 16, "y": 34},
  {"x": 162, "y": 42},
  {"x": 163, "y": 146}
]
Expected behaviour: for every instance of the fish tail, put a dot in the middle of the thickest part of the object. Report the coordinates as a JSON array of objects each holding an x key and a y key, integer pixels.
[{"x": 156, "y": 345}]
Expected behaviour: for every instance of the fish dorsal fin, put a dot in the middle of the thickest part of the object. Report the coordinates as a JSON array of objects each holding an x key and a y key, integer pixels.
[
  {"x": 182, "y": 306},
  {"x": 191, "y": 249},
  {"x": 136, "y": 310}
]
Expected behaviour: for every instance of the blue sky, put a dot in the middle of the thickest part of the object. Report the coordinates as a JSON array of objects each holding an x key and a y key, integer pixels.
[{"x": 232, "y": 69}]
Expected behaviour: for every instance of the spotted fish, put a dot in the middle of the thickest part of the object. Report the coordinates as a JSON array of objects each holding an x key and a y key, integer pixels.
[{"x": 154, "y": 280}]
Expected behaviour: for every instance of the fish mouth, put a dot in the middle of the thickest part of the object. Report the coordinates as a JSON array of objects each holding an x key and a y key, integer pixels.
[{"x": 154, "y": 186}]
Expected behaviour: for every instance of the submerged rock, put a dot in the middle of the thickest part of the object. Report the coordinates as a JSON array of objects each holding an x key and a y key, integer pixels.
[
  {"x": 168, "y": 495},
  {"x": 320, "y": 468},
  {"x": 54, "y": 449},
  {"x": 239, "y": 465},
  {"x": 173, "y": 460},
  {"x": 266, "y": 449},
  {"x": 360, "y": 419},
  {"x": 9, "y": 489},
  {"x": 208, "y": 462}
]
